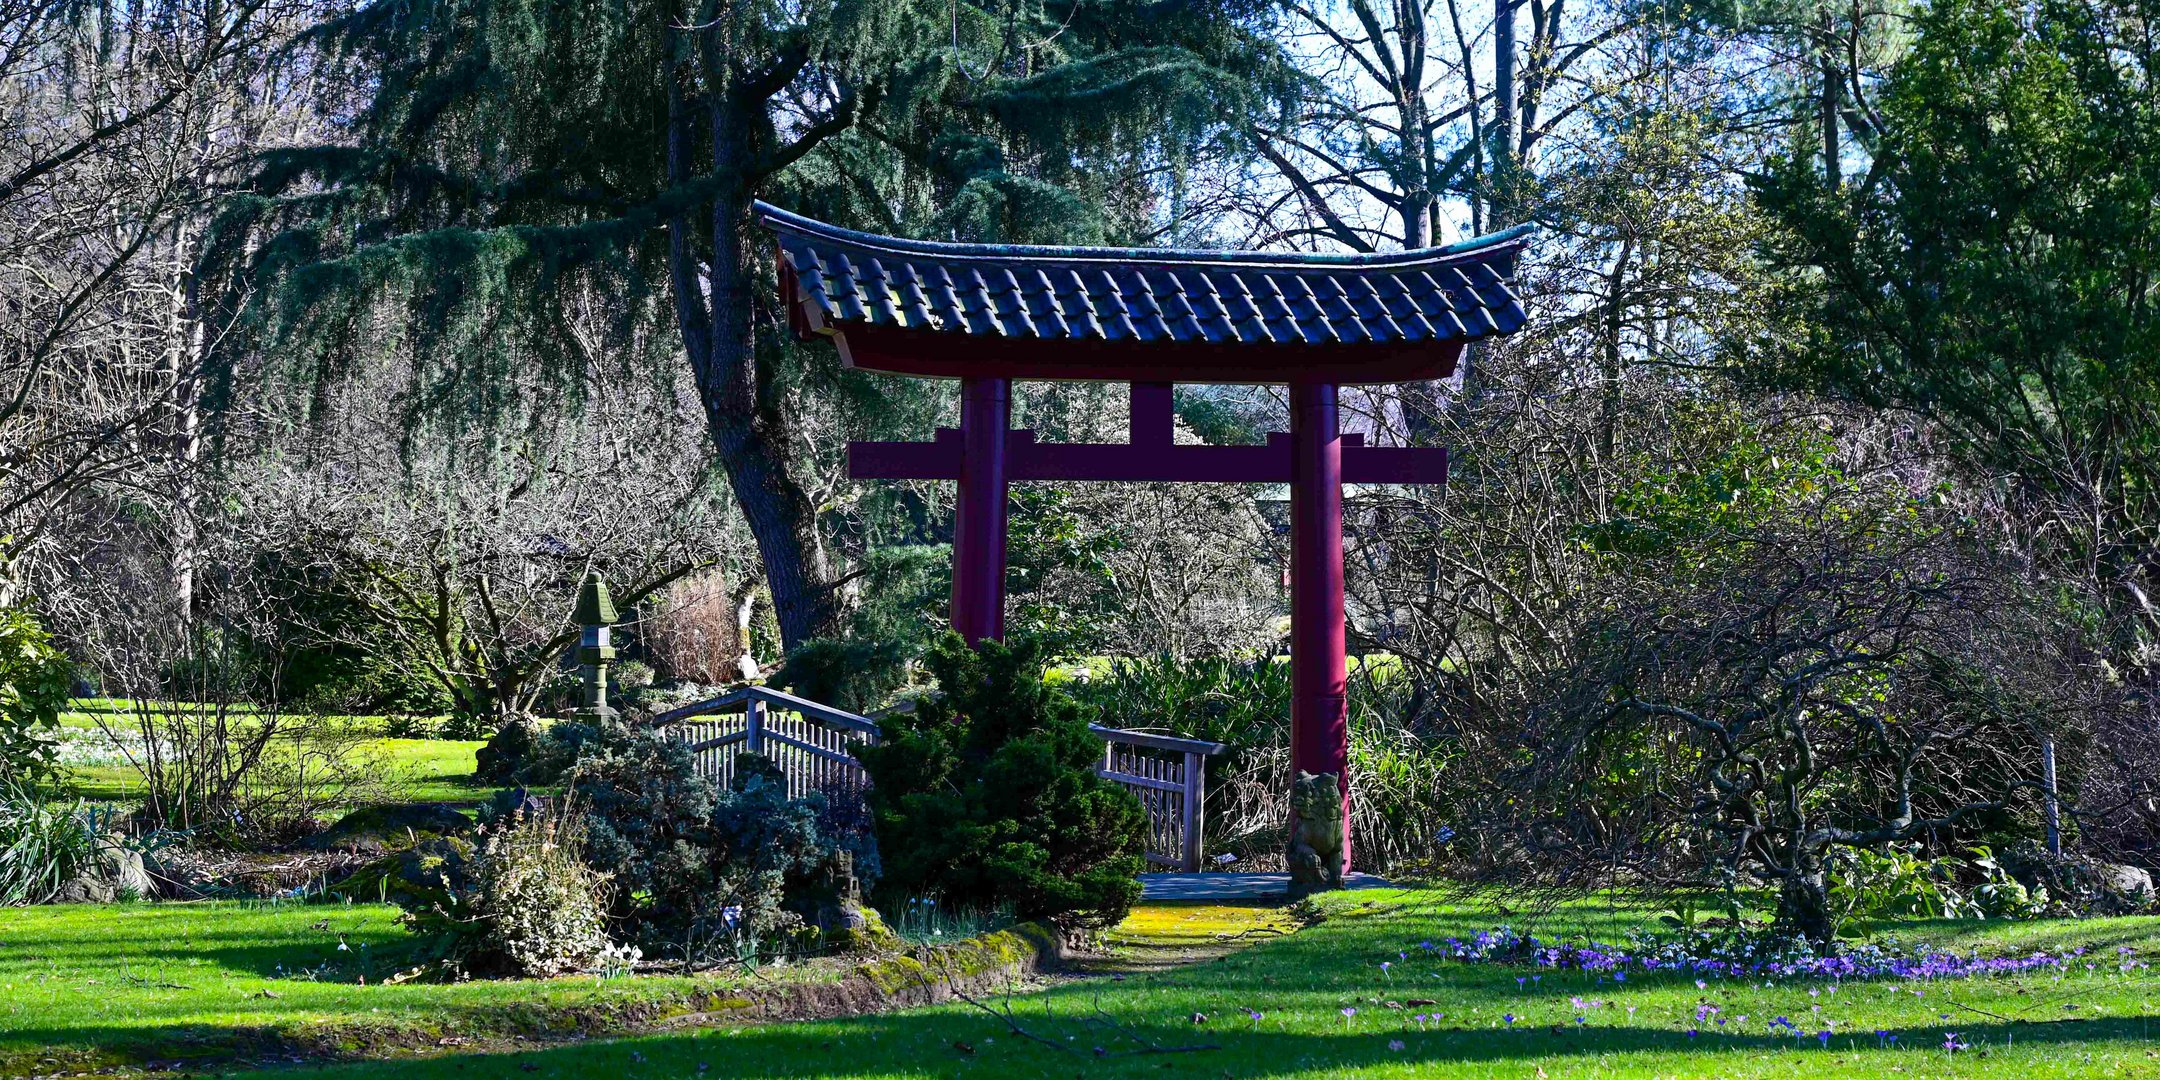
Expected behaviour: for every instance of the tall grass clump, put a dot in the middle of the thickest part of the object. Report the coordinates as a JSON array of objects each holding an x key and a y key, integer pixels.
[
  {"x": 1399, "y": 758},
  {"x": 43, "y": 845}
]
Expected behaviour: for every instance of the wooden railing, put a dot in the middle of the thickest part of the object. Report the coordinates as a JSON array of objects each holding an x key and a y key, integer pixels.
[
  {"x": 1169, "y": 775},
  {"x": 810, "y": 742}
]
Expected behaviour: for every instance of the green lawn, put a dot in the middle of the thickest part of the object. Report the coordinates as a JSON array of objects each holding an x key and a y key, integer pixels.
[
  {"x": 134, "y": 983},
  {"x": 157, "y": 976},
  {"x": 413, "y": 770}
]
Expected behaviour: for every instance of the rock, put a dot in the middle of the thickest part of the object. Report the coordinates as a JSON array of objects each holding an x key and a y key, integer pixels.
[
  {"x": 426, "y": 874},
  {"x": 376, "y": 830},
  {"x": 509, "y": 751},
  {"x": 2085, "y": 885},
  {"x": 2129, "y": 882},
  {"x": 117, "y": 874}
]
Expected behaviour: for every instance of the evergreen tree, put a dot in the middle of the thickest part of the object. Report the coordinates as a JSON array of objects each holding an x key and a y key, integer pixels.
[
  {"x": 508, "y": 151},
  {"x": 1994, "y": 271},
  {"x": 987, "y": 794}
]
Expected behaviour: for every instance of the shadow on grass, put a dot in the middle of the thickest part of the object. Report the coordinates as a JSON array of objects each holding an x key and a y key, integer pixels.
[
  {"x": 1994, "y": 936},
  {"x": 957, "y": 1043}
]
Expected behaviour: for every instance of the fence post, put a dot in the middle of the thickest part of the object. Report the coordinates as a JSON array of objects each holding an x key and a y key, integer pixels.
[
  {"x": 1195, "y": 789},
  {"x": 595, "y": 614},
  {"x": 2054, "y": 797},
  {"x": 754, "y": 727}
]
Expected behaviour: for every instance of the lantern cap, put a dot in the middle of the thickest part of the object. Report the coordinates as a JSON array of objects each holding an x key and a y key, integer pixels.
[{"x": 594, "y": 606}]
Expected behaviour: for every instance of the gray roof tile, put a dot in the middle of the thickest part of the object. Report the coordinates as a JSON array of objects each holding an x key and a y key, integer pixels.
[{"x": 1455, "y": 293}]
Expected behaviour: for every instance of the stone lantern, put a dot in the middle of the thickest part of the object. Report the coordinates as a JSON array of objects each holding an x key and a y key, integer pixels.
[{"x": 595, "y": 615}]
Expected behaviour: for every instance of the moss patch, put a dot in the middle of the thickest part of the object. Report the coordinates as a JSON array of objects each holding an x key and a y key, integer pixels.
[{"x": 1165, "y": 935}]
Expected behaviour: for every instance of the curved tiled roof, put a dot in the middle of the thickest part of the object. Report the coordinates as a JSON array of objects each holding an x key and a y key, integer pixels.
[{"x": 1436, "y": 295}]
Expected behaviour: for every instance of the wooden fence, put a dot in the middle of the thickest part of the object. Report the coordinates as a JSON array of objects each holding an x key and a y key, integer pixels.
[
  {"x": 810, "y": 742},
  {"x": 1169, "y": 775}
]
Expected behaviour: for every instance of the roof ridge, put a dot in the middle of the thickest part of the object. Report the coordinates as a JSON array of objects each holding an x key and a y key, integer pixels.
[{"x": 773, "y": 217}]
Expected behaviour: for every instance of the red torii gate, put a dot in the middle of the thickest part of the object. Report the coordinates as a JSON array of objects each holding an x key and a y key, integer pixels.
[{"x": 989, "y": 314}]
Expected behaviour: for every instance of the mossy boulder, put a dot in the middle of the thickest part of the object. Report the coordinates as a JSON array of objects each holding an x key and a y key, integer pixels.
[
  {"x": 377, "y": 830},
  {"x": 2081, "y": 884},
  {"x": 117, "y": 873},
  {"x": 427, "y": 875},
  {"x": 861, "y": 933}
]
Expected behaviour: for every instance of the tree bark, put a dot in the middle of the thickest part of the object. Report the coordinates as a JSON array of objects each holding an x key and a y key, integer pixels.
[
  {"x": 1826, "y": 56},
  {"x": 1502, "y": 211},
  {"x": 1804, "y": 902},
  {"x": 715, "y": 299}
]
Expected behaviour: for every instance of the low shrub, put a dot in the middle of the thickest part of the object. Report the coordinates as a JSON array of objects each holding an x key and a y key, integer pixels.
[
  {"x": 543, "y": 904},
  {"x": 854, "y": 675},
  {"x": 987, "y": 794},
  {"x": 532, "y": 752},
  {"x": 647, "y": 810},
  {"x": 69, "y": 852},
  {"x": 35, "y": 681},
  {"x": 692, "y": 872},
  {"x": 630, "y": 676},
  {"x": 710, "y": 873},
  {"x": 509, "y": 751},
  {"x": 1900, "y": 881},
  {"x": 522, "y": 901},
  {"x": 238, "y": 776}
]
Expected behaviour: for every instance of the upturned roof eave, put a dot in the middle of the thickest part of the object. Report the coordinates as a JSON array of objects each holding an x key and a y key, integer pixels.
[{"x": 782, "y": 220}]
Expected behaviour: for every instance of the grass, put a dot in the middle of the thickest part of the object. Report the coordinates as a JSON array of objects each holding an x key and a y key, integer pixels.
[
  {"x": 84, "y": 985},
  {"x": 159, "y": 977},
  {"x": 413, "y": 770}
]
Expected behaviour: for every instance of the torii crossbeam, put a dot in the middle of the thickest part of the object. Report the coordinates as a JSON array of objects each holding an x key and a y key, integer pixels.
[{"x": 990, "y": 314}]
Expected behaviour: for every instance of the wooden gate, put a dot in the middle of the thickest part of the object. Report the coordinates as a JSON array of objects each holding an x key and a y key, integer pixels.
[{"x": 1169, "y": 775}]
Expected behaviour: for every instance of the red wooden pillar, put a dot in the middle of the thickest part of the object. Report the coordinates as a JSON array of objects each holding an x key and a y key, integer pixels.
[
  {"x": 978, "y": 569},
  {"x": 1319, "y": 661}
]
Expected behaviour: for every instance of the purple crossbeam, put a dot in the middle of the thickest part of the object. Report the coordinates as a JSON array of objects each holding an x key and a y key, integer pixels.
[{"x": 1027, "y": 459}]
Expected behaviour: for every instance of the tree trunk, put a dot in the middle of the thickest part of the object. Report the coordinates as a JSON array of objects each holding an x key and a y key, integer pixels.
[
  {"x": 714, "y": 303},
  {"x": 183, "y": 450},
  {"x": 1804, "y": 903},
  {"x": 1826, "y": 57},
  {"x": 1503, "y": 209},
  {"x": 1610, "y": 363}
]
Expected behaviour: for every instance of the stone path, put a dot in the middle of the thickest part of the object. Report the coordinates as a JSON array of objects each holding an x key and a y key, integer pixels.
[{"x": 1231, "y": 887}]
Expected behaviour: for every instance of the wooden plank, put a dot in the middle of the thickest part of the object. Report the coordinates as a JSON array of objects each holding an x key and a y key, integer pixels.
[
  {"x": 817, "y": 752},
  {"x": 740, "y": 697},
  {"x": 1130, "y": 780},
  {"x": 715, "y": 744},
  {"x": 1156, "y": 742},
  {"x": 728, "y": 702},
  {"x": 823, "y": 714},
  {"x": 1189, "y": 812}
]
